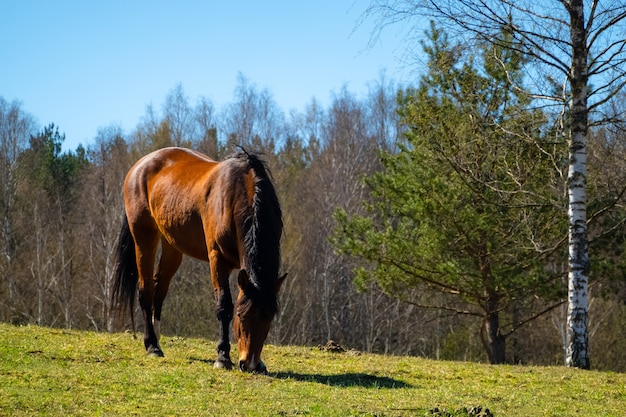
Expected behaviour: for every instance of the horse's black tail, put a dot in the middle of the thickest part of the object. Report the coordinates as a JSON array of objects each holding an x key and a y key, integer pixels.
[{"x": 126, "y": 273}]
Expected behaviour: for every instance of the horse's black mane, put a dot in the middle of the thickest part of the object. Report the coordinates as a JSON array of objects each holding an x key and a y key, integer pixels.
[{"x": 263, "y": 229}]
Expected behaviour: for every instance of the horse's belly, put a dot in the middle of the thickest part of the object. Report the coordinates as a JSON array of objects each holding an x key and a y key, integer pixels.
[{"x": 187, "y": 237}]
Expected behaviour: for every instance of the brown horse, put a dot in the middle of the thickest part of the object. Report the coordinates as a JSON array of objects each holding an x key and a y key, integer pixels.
[{"x": 226, "y": 213}]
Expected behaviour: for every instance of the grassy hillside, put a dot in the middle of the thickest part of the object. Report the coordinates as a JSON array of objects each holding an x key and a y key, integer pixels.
[{"x": 70, "y": 373}]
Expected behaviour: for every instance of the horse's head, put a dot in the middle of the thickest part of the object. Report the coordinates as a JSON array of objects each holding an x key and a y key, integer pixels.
[{"x": 252, "y": 323}]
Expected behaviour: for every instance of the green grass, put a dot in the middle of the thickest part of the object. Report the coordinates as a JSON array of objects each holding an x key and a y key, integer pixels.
[{"x": 56, "y": 372}]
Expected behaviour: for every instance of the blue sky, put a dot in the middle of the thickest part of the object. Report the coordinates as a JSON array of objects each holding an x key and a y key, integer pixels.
[{"x": 84, "y": 65}]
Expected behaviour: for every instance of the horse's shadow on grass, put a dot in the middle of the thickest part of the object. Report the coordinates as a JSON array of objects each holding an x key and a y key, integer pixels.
[
  {"x": 344, "y": 380},
  {"x": 338, "y": 380}
]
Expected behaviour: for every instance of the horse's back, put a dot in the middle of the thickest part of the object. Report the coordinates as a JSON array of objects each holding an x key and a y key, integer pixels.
[
  {"x": 172, "y": 171},
  {"x": 164, "y": 193},
  {"x": 172, "y": 159}
]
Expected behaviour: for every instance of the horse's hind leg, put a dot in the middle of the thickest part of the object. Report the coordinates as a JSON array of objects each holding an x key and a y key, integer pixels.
[
  {"x": 168, "y": 265},
  {"x": 145, "y": 249}
]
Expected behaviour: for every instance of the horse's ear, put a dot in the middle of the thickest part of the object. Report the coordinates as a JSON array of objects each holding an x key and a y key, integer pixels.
[
  {"x": 243, "y": 280},
  {"x": 279, "y": 283}
]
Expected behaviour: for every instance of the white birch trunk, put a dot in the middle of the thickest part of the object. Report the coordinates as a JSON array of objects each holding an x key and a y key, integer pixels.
[{"x": 577, "y": 352}]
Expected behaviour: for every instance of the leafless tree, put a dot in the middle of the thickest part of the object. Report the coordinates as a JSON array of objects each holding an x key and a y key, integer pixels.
[
  {"x": 101, "y": 187},
  {"x": 178, "y": 114},
  {"x": 383, "y": 120},
  {"x": 16, "y": 126},
  {"x": 206, "y": 121},
  {"x": 252, "y": 120},
  {"x": 346, "y": 153}
]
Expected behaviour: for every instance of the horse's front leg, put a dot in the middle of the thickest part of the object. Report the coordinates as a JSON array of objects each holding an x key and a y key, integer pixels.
[
  {"x": 219, "y": 276},
  {"x": 224, "y": 316}
]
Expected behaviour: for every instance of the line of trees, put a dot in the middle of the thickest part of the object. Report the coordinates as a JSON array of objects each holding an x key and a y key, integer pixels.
[{"x": 445, "y": 203}]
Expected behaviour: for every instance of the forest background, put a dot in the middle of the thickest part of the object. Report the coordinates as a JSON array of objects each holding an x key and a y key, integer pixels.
[{"x": 62, "y": 211}]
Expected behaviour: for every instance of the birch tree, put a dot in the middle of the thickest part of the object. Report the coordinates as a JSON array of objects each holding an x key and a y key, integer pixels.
[{"x": 577, "y": 63}]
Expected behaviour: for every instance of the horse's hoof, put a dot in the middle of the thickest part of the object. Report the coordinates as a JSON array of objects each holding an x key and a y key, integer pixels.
[
  {"x": 222, "y": 364},
  {"x": 261, "y": 369},
  {"x": 155, "y": 352}
]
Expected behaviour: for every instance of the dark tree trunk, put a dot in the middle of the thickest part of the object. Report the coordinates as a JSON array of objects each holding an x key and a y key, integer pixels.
[{"x": 492, "y": 338}]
